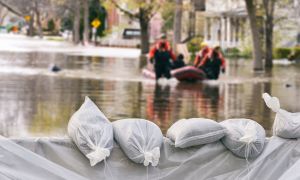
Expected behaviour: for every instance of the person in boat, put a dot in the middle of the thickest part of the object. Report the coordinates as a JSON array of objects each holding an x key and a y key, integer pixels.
[
  {"x": 179, "y": 62},
  {"x": 212, "y": 63},
  {"x": 161, "y": 59},
  {"x": 202, "y": 53}
]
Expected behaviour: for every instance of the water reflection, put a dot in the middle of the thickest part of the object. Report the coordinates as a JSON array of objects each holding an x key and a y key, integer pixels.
[
  {"x": 159, "y": 106},
  {"x": 244, "y": 101},
  {"x": 198, "y": 100},
  {"x": 40, "y": 104}
]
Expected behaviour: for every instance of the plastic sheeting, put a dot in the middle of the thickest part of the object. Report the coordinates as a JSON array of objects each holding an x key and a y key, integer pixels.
[
  {"x": 17, "y": 162},
  {"x": 54, "y": 158}
]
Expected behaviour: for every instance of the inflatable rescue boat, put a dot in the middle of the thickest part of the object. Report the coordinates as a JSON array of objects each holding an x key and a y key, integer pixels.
[{"x": 187, "y": 73}]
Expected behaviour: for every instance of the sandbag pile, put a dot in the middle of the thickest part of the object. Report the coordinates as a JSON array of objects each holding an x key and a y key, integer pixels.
[
  {"x": 94, "y": 135},
  {"x": 141, "y": 140},
  {"x": 243, "y": 137}
]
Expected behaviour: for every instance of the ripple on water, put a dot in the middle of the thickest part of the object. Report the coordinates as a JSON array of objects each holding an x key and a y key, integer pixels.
[{"x": 40, "y": 102}]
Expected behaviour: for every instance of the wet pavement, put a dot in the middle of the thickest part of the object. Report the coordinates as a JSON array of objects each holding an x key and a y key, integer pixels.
[{"x": 36, "y": 102}]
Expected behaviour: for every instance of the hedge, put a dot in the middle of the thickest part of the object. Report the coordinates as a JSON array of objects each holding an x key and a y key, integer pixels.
[{"x": 282, "y": 53}]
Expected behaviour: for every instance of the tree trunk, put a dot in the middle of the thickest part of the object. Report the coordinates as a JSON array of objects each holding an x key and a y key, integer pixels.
[
  {"x": 269, "y": 42},
  {"x": 3, "y": 13},
  {"x": 38, "y": 19},
  {"x": 269, "y": 11},
  {"x": 257, "y": 51},
  {"x": 298, "y": 22},
  {"x": 144, "y": 25},
  {"x": 86, "y": 31},
  {"x": 177, "y": 22},
  {"x": 31, "y": 22},
  {"x": 76, "y": 25}
]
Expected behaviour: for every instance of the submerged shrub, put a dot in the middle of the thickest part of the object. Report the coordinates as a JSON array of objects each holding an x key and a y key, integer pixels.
[{"x": 281, "y": 53}]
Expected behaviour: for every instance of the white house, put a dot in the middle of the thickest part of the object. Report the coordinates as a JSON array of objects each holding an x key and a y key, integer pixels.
[{"x": 225, "y": 23}]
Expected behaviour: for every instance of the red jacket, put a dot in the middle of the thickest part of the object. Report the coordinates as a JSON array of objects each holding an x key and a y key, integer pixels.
[
  {"x": 201, "y": 55},
  {"x": 156, "y": 47},
  {"x": 209, "y": 55}
]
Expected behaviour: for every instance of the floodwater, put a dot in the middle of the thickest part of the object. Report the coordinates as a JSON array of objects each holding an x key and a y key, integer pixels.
[{"x": 36, "y": 102}]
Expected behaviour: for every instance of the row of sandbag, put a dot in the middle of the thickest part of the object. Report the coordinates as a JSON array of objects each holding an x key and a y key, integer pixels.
[
  {"x": 94, "y": 135},
  {"x": 141, "y": 140}
]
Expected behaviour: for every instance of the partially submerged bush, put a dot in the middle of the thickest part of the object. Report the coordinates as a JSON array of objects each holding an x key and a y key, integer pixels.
[
  {"x": 232, "y": 52},
  {"x": 237, "y": 53},
  {"x": 282, "y": 52}
]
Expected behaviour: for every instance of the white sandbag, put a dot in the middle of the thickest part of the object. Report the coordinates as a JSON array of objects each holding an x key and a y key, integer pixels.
[
  {"x": 92, "y": 132},
  {"x": 286, "y": 124},
  {"x": 244, "y": 137},
  {"x": 196, "y": 131},
  {"x": 139, "y": 139}
]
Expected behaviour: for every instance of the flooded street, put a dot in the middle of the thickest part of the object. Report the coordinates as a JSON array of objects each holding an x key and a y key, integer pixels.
[{"x": 36, "y": 102}]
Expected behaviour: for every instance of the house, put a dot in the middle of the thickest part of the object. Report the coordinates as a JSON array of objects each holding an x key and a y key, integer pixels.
[{"x": 225, "y": 23}]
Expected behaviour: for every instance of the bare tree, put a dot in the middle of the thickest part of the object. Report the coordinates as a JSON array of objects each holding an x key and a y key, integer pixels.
[
  {"x": 5, "y": 4},
  {"x": 70, "y": 8},
  {"x": 35, "y": 8},
  {"x": 21, "y": 8},
  {"x": 257, "y": 50},
  {"x": 143, "y": 11}
]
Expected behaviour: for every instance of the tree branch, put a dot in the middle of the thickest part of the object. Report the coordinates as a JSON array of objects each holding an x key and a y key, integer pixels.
[
  {"x": 152, "y": 9},
  {"x": 10, "y": 8},
  {"x": 272, "y": 6},
  {"x": 127, "y": 12},
  {"x": 152, "y": 13}
]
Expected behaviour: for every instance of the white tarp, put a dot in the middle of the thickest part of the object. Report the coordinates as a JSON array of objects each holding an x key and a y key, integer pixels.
[
  {"x": 57, "y": 158},
  {"x": 17, "y": 163}
]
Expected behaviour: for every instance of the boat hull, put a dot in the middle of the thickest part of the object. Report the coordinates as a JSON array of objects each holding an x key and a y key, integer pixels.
[{"x": 187, "y": 73}]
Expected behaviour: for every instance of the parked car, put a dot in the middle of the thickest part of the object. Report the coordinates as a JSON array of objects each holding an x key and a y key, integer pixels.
[{"x": 131, "y": 33}]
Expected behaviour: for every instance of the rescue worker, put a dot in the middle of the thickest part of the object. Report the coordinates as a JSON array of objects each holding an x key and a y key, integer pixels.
[
  {"x": 212, "y": 63},
  {"x": 204, "y": 50},
  {"x": 162, "y": 39},
  {"x": 160, "y": 55},
  {"x": 161, "y": 59}
]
